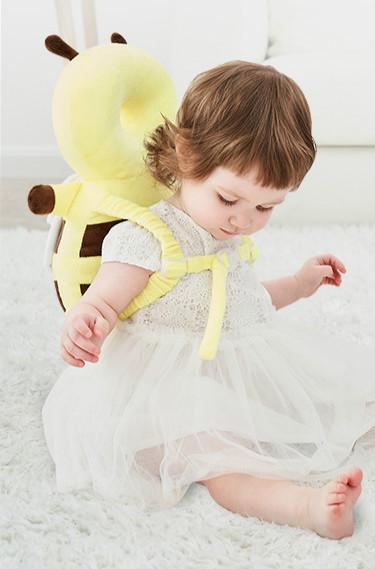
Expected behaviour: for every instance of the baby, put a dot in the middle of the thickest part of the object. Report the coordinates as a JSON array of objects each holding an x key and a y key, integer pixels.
[{"x": 151, "y": 418}]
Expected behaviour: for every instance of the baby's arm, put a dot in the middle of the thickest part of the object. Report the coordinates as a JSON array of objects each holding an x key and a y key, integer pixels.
[
  {"x": 317, "y": 271},
  {"x": 90, "y": 321},
  {"x": 283, "y": 291}
]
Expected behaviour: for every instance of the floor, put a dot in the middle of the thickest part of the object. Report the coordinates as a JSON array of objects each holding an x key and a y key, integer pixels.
[
  {"x": 14, "y": 210},
  {"x": 41, "y": 527}
]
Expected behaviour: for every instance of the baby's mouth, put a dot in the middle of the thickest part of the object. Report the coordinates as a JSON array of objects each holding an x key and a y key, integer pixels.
[{"x": 229, "y": 232}]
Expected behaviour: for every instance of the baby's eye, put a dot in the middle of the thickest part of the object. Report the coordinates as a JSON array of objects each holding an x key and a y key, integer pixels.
[
  {"x": 227, "y": 202},
  {"x": 261, "y": 208}
]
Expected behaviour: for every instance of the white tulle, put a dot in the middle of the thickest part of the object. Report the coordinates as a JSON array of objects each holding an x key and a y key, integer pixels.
[{"x": 280, "y": 400}]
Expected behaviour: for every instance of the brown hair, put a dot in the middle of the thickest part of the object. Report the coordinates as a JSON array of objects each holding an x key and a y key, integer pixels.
[{"x": 239, "y": 115}]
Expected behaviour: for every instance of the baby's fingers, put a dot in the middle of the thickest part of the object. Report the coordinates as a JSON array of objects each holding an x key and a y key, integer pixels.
[
  {"x": 70, "y": 359},
  {"x": 83, "y": 328},
  {"x": 77, "y": 352},
  {"x": 101, "y": 327},
  {"x": 335, "y": 263},
  {"x": 338, "y": 267},
  {"x": 88, "y": 345}
]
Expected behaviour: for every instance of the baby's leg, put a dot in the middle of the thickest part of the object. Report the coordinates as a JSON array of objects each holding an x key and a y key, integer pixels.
[{"x": 328, "y": 510}]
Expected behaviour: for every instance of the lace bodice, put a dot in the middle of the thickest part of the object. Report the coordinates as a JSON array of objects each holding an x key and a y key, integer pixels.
[{"x": 185, "y": 307}]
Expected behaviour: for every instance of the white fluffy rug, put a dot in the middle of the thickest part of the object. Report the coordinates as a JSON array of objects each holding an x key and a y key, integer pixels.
[{"x": 43, "y": 529}]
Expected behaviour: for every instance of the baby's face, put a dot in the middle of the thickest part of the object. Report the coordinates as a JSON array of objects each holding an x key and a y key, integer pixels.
[{"x": 226, "y": 204}]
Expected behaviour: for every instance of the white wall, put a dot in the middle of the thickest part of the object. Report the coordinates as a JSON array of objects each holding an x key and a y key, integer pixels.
[
  {"x": 186, "y": 37},
  {"x": 29, "y": 73}
]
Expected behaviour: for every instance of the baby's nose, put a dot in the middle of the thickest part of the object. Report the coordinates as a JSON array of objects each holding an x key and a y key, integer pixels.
[{"x": 241, "y": 223}]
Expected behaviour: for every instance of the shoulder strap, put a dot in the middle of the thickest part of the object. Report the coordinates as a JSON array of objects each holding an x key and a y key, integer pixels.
[
  {"x": 175, "y": 265},
  {"x": 159, "y": 284}
]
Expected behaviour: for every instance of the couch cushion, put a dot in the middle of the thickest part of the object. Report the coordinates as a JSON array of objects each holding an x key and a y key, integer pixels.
[
  {"x": 297, "y": 26},
  {"x": 341, "y": 93}
]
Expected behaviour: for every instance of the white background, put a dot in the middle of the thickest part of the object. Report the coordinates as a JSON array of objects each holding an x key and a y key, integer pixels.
[{"x": 29, "y": 71}]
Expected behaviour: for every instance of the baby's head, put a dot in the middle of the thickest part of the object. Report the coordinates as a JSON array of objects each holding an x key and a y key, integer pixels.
[{"x": 242, "y": 140}]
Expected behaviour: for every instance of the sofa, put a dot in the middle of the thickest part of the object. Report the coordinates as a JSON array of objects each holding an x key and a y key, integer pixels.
[{"x": 328, "y": 48}]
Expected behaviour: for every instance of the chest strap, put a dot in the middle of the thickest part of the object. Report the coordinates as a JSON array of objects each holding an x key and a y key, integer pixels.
[{"x": 175, "y": 265}]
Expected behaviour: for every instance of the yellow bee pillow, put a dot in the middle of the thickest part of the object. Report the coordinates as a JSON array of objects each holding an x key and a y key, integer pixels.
[{"x": 107, "y": 99}]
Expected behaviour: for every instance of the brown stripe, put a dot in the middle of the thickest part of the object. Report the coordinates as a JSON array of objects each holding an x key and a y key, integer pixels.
[
  {"x": 91, "y": 246},
  {"x": 93, "y": 238},
  {"x": 58, "y": 296},
  {"x": 59, "y": 236},
  {"x": 83, "y": 288}
]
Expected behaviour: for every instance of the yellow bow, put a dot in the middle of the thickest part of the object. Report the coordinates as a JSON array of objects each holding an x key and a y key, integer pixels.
[{"x": 219, "y": 265}]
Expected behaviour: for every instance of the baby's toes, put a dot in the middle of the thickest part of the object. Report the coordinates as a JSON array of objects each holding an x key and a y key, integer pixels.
[
  {"x": 343, "y": 478},
  {"x": 355, "y": 477},
  {"x": 336, "y": 498},
  {"x": 341, "y": 487},
  {"x": 336, "y": 486}
]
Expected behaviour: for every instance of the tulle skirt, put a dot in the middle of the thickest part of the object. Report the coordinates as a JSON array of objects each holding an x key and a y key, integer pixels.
[{"x": 150, "y": 418}]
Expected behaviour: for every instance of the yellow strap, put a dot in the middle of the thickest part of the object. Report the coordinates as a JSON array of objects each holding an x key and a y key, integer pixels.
[
  {"x": 248, "y": 251},
  {"x": 158, "y": 285},
  {"x": 219, "y": 265},
  {"x": 175, "y": 266},
  {"x": 120, "y": 208},
  {"x": 219, "y": 268}
]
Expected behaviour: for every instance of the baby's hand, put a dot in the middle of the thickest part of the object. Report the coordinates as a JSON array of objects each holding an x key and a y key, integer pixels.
[
  {"x": 319, "y": 270},
  {"x": 82, "y": 337}
]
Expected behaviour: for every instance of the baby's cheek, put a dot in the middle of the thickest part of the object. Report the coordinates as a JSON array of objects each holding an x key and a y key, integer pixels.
[
  {"x": 203, "y": 214},
  {"x": 258, "y": 224},
  {"x": 215, "y": 219}
]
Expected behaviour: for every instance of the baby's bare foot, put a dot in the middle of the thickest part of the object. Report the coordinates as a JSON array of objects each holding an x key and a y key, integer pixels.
[{"x": 331, "y": 507}]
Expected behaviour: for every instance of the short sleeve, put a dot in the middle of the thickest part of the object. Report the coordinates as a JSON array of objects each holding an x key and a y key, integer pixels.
[{"x": 128, "y": 242}]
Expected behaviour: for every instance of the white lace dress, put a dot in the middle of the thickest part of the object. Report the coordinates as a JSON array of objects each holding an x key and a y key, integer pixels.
[{"x": 150, "y": 418}]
